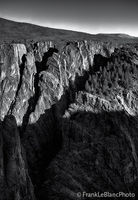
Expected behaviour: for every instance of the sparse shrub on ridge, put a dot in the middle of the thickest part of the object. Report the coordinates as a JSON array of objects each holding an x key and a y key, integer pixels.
[{"x": 120, "y": 71}]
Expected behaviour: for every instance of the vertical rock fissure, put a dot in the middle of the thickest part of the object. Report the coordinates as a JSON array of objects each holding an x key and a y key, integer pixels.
[
  {"x": 21, "y": 69},
  {"x": 40, "y": 66}
]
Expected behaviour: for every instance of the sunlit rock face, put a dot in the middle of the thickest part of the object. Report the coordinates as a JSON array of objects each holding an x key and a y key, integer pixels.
[
  {"x": 41, "y": 71},
  {"x": 11, "y": 57},
  {"x": 69, "y": 119}
]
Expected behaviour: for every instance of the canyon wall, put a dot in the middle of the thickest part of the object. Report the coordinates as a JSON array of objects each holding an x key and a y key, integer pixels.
[{"x": 44, "y": 108}]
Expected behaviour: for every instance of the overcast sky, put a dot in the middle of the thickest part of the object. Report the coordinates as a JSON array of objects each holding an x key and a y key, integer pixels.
[{"x": 92, "y": 16}]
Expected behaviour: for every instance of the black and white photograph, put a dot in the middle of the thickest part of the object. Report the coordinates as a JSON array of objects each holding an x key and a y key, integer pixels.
[{"x": 68, "y": 99}]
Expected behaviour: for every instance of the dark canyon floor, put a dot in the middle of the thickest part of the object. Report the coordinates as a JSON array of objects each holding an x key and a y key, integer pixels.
[{"x": 68, "y": 113}]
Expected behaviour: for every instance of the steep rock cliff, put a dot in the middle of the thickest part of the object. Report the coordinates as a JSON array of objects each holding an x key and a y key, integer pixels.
[
  {"x": 41, "y": 66},
  {"x": 44, "y": 86}
]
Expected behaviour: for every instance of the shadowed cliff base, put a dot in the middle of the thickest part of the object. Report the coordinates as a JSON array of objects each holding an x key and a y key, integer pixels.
[
  {"x": 86, "y": 152},
  {"x": 15, "y": 182},
  {"x": 98, "y": 154}
]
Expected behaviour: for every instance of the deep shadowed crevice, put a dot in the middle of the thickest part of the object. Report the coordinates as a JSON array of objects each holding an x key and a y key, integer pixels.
[
  {"x": 40, "y": 66},
  {"x": 50, "y": 145},
  {"x": 81, "y": 80},
  {"x": 98, "y": 61}
]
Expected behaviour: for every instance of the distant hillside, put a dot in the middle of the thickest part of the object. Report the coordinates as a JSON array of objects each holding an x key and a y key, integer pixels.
[
  {"x": 117, "y": 35},
  {"x": 18, "y": 32}
]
